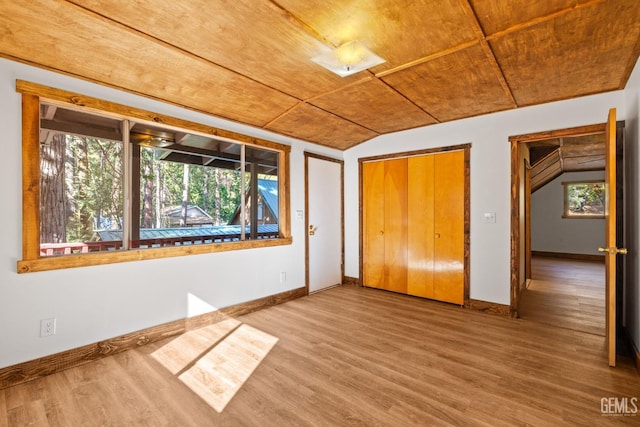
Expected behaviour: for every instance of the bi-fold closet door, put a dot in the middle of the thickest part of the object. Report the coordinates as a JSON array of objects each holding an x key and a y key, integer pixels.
[{"x": 413, "y": 225}]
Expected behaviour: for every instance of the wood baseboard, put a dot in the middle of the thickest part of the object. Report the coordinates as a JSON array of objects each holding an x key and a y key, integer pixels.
[
  {"x": 580, "y": 257},
  {"x": 489, "y": 307},
  {"x": 38, "y": 368},
  {"x": 347, "y": 280}
]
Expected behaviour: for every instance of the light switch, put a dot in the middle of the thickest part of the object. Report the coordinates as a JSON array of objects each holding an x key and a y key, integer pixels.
[
  {"x": 489, "y": 217},
  {"x": 299, "y": 214}
]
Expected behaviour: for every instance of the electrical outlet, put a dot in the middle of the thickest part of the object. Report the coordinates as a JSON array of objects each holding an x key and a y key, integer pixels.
[
  {"x": 47, "y": 327},
  {"x": 283, "y": 277}
]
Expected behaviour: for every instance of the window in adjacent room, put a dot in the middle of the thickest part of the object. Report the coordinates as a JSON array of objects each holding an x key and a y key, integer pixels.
[{"x": 585, "y": 199}]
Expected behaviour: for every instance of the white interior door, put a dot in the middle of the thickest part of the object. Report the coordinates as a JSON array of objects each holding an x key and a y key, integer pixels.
[{"x": 324, "y": 222}]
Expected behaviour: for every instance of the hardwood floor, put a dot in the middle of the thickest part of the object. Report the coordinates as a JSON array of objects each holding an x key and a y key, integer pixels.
[
  {"x": 566, "y": 293},
  {"x": 345, "y": 356}
]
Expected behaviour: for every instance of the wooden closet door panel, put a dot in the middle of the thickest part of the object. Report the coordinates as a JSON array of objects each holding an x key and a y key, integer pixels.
[
  {"x": 395, "y": 225},
  {"x": 373, "y": 224},
  {"x": 449, "y": 227},
  {"x": 420, "y": 226}
]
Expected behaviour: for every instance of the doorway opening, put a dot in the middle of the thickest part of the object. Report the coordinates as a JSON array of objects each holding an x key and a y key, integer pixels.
[
  {"x": 537, "y": 159},
  {"x": 565, "y": 202}
]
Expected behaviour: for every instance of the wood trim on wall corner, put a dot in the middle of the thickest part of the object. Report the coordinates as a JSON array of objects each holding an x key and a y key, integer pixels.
[
  {"x": 47, "y": 365},
  {"x": 489, "y": 307}
]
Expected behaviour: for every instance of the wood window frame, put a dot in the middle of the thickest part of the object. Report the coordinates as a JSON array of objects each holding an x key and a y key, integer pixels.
[
  {"x": 33, "y": 94},
  {"x": 565, "y": 188}
]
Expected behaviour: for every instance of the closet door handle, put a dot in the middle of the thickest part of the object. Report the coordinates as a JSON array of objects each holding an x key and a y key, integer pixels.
[{"x": 437, "y": 235}]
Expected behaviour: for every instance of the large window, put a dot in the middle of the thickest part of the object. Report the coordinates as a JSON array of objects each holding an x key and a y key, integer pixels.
[
  {"x": 115, "y": 187},
  {"x": 585, "y": 199}
]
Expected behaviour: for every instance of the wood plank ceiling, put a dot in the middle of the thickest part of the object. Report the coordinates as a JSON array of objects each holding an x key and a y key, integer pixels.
[
  {"x": 552, "y": 157},
  {"x": 249, "y": 60}
]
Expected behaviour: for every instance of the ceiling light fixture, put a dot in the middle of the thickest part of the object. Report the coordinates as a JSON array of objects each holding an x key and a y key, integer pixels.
[{"x": 349, "y": 58}]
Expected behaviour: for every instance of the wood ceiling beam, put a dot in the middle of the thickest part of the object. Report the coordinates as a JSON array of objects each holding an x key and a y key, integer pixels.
[
  {"x": 437, "y": 120},
  {"x": 49, "y": 111},
  {"x": 544, "y": 18},
  {"x": 290, "y": 110},
  {"x": 184, "y": 149},
  {"x": 80, "y": 130},
  {"x": 282, "y": 114},
  {"x": 491, "y": 57},
  {"x": 338, "y": 89},
  {"x": 300, "y": 23},
  {"x": 179, "y": 137},
  {"x": 427, "y": 58}
]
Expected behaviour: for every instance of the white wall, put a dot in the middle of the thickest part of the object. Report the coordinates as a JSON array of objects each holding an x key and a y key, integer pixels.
[
  {"x": 96, "y": 303},
  {"x": 552, "y": 233},
  {"x": 490, "y": 177},
  {"x": 632, "y": 204}
]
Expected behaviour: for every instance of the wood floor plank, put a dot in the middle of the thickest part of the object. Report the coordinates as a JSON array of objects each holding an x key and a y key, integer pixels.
[
  {"x": 3, "y": 409},
  {"x": 566, "y": 293},
  {"x": 171, "y": 399},
  {"x": 61, "y": 407},
  {"x": 347, "y": 356},
  {"x": 30, "y": 414}
]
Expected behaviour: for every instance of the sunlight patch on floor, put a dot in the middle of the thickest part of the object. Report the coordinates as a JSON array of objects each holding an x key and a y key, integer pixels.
[
  {"x": 219, "y": 374},
  {"x": 184, "y": 350},
  {"x": 215, "y": 361}
]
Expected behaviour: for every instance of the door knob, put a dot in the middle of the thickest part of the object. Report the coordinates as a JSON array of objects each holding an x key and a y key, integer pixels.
[
  {"x": 312, "y": 230},
  {"x": 614, "y": 250}
]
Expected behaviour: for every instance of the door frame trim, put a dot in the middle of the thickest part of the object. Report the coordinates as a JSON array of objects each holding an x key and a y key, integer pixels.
[
  {"x": 467, "y": 206},
  {"x": 308, "y": 155}
]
